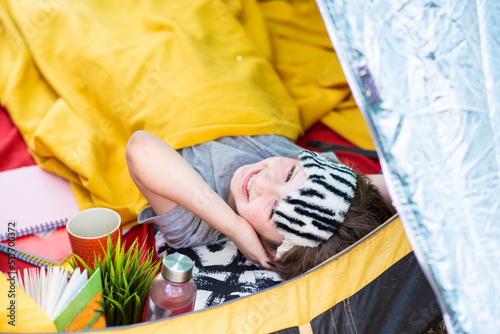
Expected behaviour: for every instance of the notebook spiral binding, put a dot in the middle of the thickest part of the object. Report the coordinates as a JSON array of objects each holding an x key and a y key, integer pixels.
[
  {"x": 36, "y": 228},
  {"x": 25, "y": 257}
]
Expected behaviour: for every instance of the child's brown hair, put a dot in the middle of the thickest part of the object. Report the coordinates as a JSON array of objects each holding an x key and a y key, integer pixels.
[{"x": 367, "y": 211}]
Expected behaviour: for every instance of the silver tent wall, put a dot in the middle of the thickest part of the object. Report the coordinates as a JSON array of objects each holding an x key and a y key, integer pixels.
[{"x": 425, "y": 75}]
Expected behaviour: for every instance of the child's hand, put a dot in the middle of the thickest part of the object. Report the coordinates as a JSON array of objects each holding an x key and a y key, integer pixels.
[
  {"x": 247, "y": 241},
  {"x": 271, "y": 251}
]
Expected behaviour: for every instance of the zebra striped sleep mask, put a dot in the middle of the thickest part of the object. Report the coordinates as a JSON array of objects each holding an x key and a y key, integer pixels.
[{"x": 309, "y": 215}]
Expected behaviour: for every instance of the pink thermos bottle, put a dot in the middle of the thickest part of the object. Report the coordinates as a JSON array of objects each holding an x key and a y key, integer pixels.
[{"x": 173, "y": 291}]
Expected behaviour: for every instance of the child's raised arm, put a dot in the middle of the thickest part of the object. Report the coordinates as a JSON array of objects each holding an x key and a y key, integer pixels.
[{"x": 166, "y": 179}]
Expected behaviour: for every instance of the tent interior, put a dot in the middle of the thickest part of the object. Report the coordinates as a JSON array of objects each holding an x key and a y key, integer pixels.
[{"x": 380, "y": 84}]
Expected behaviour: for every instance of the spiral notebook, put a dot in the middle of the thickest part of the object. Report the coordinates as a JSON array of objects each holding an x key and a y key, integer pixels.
[
  {"x": 43, "y": 249},
  {"x": 35, "y": 208}
]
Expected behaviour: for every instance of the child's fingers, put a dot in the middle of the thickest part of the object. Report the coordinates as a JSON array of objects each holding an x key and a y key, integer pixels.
[{"x": 266, "y": 264}]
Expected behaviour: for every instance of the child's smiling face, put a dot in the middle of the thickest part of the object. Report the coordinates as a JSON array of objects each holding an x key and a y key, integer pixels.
[{"x": 258, "y": 188}]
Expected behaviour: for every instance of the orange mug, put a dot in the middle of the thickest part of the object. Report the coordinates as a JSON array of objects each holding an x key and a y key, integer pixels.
[{"x": 88, "y": 233}]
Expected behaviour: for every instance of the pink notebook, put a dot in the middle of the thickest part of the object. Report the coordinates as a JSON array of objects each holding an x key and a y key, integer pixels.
[
  {"x": 35, "y": 206},
  {"x": 33, "y": 200}
]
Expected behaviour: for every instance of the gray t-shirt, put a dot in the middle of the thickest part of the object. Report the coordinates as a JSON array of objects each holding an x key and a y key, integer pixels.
[{"x": 216, "y": 161}]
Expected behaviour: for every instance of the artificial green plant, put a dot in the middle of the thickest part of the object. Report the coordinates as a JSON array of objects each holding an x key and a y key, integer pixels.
[{"x": 126, "y": 280}]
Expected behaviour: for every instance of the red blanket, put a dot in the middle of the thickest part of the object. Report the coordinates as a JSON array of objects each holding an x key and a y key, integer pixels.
[{"x": 13, "y": 151}]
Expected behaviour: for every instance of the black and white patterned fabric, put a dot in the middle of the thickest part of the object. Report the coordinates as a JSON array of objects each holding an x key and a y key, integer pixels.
[{"x": 221, "y": 272}]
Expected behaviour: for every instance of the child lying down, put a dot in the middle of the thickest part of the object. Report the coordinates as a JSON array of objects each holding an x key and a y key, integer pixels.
[{"x": 288, "y": 214}]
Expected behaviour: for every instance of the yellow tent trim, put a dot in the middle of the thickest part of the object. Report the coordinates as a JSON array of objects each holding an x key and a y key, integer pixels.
[{"x": 298, "y": 301}]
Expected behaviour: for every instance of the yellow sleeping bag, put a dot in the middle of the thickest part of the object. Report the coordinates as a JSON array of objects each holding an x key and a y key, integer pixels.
[{"x": 78, "y": 78}]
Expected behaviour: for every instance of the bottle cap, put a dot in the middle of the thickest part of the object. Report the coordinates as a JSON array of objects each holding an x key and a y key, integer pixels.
[{"x": 177, "y": 268}]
